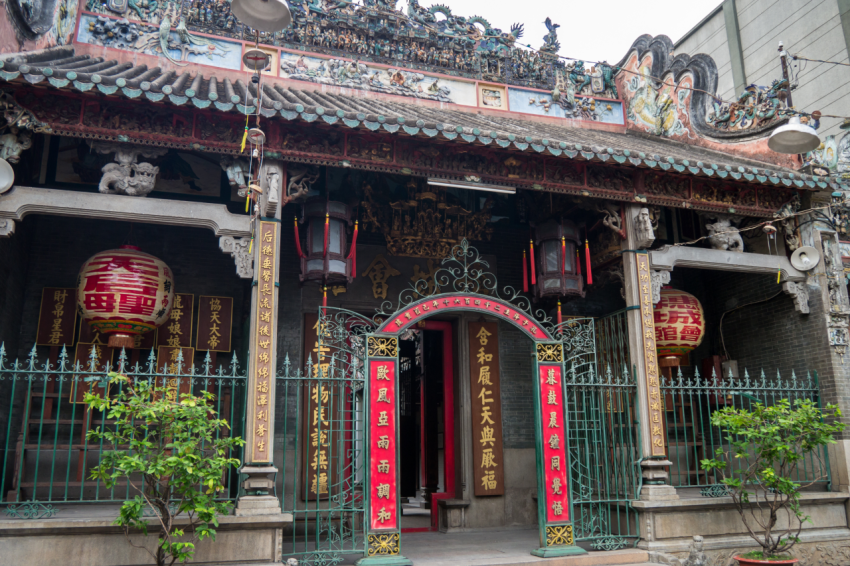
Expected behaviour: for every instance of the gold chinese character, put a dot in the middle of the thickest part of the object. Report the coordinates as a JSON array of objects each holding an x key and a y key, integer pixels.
[
  {"x": 384, "y": 515},
  {"x": 553, "y": 419},
  {"x": 656, "y": 430},
  {"x": 267, "y": 263},
  {"x": 262, "y": 415},
  {"x": 320, "y": 460},
  {"x": 266, "y": 316},
  {"x": 384, "y": 441},
  {"x": 382, "y": 373},
  {"x": 487, "y": 460},
  {"x": 266, "y": 290},
  {"x": 657, "y": 441},
  {"x": 483, "y": 357},
  {"x": 319, "y": 414},
  {"x": 484, "y": 375},
  {"x": 487, "y": 436},
  {"x": 483, "y": 396},
  {"x": 267, "y": 250},
  {"x": 556, "y": 463},
  {"x": 264, "y": 303},
  {"x": 266, "y": 275},
  {"x": 261, "y": 445},
  {"x": 556, "y": 486},
  {"x": 264, "y": 344},
  {"x": 383, "y": 419},
  {"x": 319, "y": 438},
  {"x": 325, "y": 394},
  {"x": 558, "y": 508},
  {"x": 384, "y": 466},
  {"x": 264, "y": 330},
  {"x": 321, "y": 484},
  {"x": 551, "y": 398},
  {"x": 383, "y": 490},
  {"x": 555, "y": 442},
  {"x": 267, "y": 235},
  {"x": 263, "y": 386},
  {"x": 60, "y": 295},
  {"x": 482, "y": 336},
  {"x": 550, "y": 377},
  {"x": 262, "y": 401},
  {"x": 263, "y": 358},
  {"x": 382, "y": 395},
  {"x": 485, "y": 416},
  {"x": 261, "y": 430},
  {"x": 656, "y": 416},
  {"x": 263, "y": 372},
  {"x": 488, "y": 480}
]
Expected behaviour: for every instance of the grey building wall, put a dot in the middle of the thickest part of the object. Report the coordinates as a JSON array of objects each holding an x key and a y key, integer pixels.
[{"x": 811, "y": 28}]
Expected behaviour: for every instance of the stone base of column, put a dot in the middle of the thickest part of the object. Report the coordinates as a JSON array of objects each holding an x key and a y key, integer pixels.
[
  {"x": 552, "y": 551},
  {"x": 655, "y": 486},
  {"x": 257, "y": 488},
  {"x": 250, "y": 505}
]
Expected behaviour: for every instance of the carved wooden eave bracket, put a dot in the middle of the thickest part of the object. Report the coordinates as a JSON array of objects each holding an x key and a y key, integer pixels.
[{"x": 666, "y": 258}]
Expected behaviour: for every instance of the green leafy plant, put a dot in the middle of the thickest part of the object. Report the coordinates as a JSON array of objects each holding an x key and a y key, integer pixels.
[
  {"x": 174, "y": 453},
  {"x": 768, "y": 445}
]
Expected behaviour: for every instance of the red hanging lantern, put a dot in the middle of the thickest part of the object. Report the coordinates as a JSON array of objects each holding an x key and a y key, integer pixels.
[
  {"x": 557, "y": 272},
  {"x": 325, "y": 261},
  {"x": 679, "y": 323},
  {"x": 125, "y": 292}
]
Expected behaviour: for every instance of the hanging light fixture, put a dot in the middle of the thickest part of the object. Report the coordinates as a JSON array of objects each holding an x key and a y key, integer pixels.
[
  {"x": 325, "y": 261},
  {"x": 794, "y": 137},
  {"x": 554, "y": 266},
  {"x": 262, "y": 15}
]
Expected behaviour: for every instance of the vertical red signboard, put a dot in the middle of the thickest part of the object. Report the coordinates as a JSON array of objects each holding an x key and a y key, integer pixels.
[
  {"x": 382, "y": 450},
  {"x": 555, "y": 463}
]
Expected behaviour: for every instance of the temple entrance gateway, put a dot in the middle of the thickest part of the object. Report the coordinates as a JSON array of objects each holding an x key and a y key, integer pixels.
[{"x": 346, "y": 468}]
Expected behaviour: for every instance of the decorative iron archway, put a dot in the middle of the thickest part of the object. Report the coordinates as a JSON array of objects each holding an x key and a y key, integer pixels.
[{"x": 358, "y": 358}]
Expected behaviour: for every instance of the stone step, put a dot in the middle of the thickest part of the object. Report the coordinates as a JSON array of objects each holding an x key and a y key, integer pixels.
[{"x": 625, "y": 557}]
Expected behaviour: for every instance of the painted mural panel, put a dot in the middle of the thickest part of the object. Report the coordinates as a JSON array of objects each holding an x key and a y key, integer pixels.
[
  {"x": 179, "y": 46},
  {"x": 34, "y": 24},
  {"x": 355, "y": 74},
  {"x": 565, "y": 105},
  {"x": 660, "y": 111}
]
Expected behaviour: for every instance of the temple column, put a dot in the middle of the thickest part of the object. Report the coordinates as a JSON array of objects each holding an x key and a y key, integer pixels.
[
  {"x": 258, "y": 486},
  {"x": 642, "y": 353}
]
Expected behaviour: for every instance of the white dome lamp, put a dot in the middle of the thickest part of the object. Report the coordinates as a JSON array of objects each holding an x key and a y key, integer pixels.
[
  {"x": 794, "y": 137},
  {"x": 7, "y": 176},
  {"x": 262, "y": 15}
]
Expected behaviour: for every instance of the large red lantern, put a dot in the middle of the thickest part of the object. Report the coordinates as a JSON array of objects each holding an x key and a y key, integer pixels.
[
  {"x": 125, "y": 292},
  {"x": 679, "y": 323}
]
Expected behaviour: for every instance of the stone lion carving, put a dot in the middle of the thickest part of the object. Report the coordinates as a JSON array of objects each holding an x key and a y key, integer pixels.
[
  {"x": 134, "y": 179},
  {"x": 13, "y": 143},
  {"x": 723, "y": 235}
]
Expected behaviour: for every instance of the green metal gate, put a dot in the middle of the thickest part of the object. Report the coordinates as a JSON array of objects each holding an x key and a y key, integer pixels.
[
  {"x": 322, "y": 413},
  {"x": 603, "y": 436}
]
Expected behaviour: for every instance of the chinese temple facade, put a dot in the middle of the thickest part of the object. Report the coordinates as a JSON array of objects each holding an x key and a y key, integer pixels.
[{"x": 441, "y": 283}]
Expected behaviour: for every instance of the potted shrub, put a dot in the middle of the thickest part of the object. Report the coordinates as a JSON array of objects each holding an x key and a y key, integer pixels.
[
  {"x": 768, "y": 444},
  {"x": 173, "y": 453}
]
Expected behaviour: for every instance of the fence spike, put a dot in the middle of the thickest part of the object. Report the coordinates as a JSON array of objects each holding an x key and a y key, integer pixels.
[
  {"x": 234, "y": 364},
  {"x": 207, "y": 364},
  {"x": 3, "y": 354},
  {"x": 32, "y": 358},
  {"x": 122, "y": 360},
  {"x": 63, "y": 358},
  {"x": 151, "y": 363}
]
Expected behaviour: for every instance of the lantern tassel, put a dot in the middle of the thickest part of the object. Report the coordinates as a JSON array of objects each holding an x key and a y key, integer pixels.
[
  {"x": 560, "y": 318},
  {"x": 324, "y": 297},
  {"x": 352, "y": 255},
  {"x": 244, "y": 136},
  {"x": 531, "y": 258},
  {"x": 251, "y": 245},
  {"x": 578, "y": 262},
  {"x": 563, "y": 255},
  {"x": 778, "y": 275},
  {"x": 524, "y": 273},
  {"x": 298, "y": 241},
  {"x": 327, "y": 226},
  {"x": 587, "y": 263}
]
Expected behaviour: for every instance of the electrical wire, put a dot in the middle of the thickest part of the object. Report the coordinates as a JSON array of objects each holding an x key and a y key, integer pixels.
[{"x": 720, "y": 326}]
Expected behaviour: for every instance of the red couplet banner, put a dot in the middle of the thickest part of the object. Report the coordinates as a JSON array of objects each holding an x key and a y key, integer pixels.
[
  {"x": 554, "y": 444},
  {"x": 382, "y": 449}
]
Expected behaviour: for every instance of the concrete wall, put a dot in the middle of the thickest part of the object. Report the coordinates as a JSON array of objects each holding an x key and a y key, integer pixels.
[{"x": 811, "y": 28}]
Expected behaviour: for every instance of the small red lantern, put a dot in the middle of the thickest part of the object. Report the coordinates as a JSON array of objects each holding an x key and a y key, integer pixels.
[
  {"x": 125, "y": 292},
  {"x": 679, "y": 323}
]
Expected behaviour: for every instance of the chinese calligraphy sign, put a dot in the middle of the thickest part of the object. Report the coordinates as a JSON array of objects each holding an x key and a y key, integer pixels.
[
  {"x": 176, "y": 331},
  {"x": 653, "y": 388},
  {"x": 461, "y": 302},
  {"x": 679, "y": 323},
  {"x": 264, "y": 344},
  {"x": 487, "y": 450},
  {"x": 57, "y": 317},
  {"x": 215, "y": 320},
  {"x": 175, "y": 362},
  {"x": 383, "y": 462},
  {"x": 555, "y": 463}
]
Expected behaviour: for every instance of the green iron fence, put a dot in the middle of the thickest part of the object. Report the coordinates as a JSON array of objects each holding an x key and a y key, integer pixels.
[
  {"x": 689, "y": 401},
  {"x": 321, "y": 420},
  {"x": 47, "y": 457},
  {"x": 602, "y": 436}
]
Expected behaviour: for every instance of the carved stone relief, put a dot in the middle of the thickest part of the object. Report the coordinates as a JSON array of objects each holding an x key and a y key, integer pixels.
[
  {"x": 644, "y": 232},
  {"x": 127, "y": 176},
  {"x": 238, "y": 248},
  {"x": 237, "y": 174},
  {"x": 271, "y": 182},
  {"x": 658, "y": 279},
  {"x": 800, "y": 293},
  {"x": 300, "y": 181},
  {"x": 7, "y": 227},
  {"x": 13, "y": 143},
  {"x": 724, "y": 235},
  {"x": 838, "y": 317}
]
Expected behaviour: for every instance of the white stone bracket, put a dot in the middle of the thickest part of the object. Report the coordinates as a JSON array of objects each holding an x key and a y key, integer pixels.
[{"x": 239, "y": 249}]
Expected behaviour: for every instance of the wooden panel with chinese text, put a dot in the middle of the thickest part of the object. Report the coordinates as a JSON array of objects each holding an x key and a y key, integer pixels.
[
  {"x": 215, "y": 324},
  {"x": 57, "y": 317},
  {"x": 83, "y": 356},
  {"x": 177, "y": 330},
  {"x": 168, "y": 361},
  {"x": 487, "y": 450}
]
